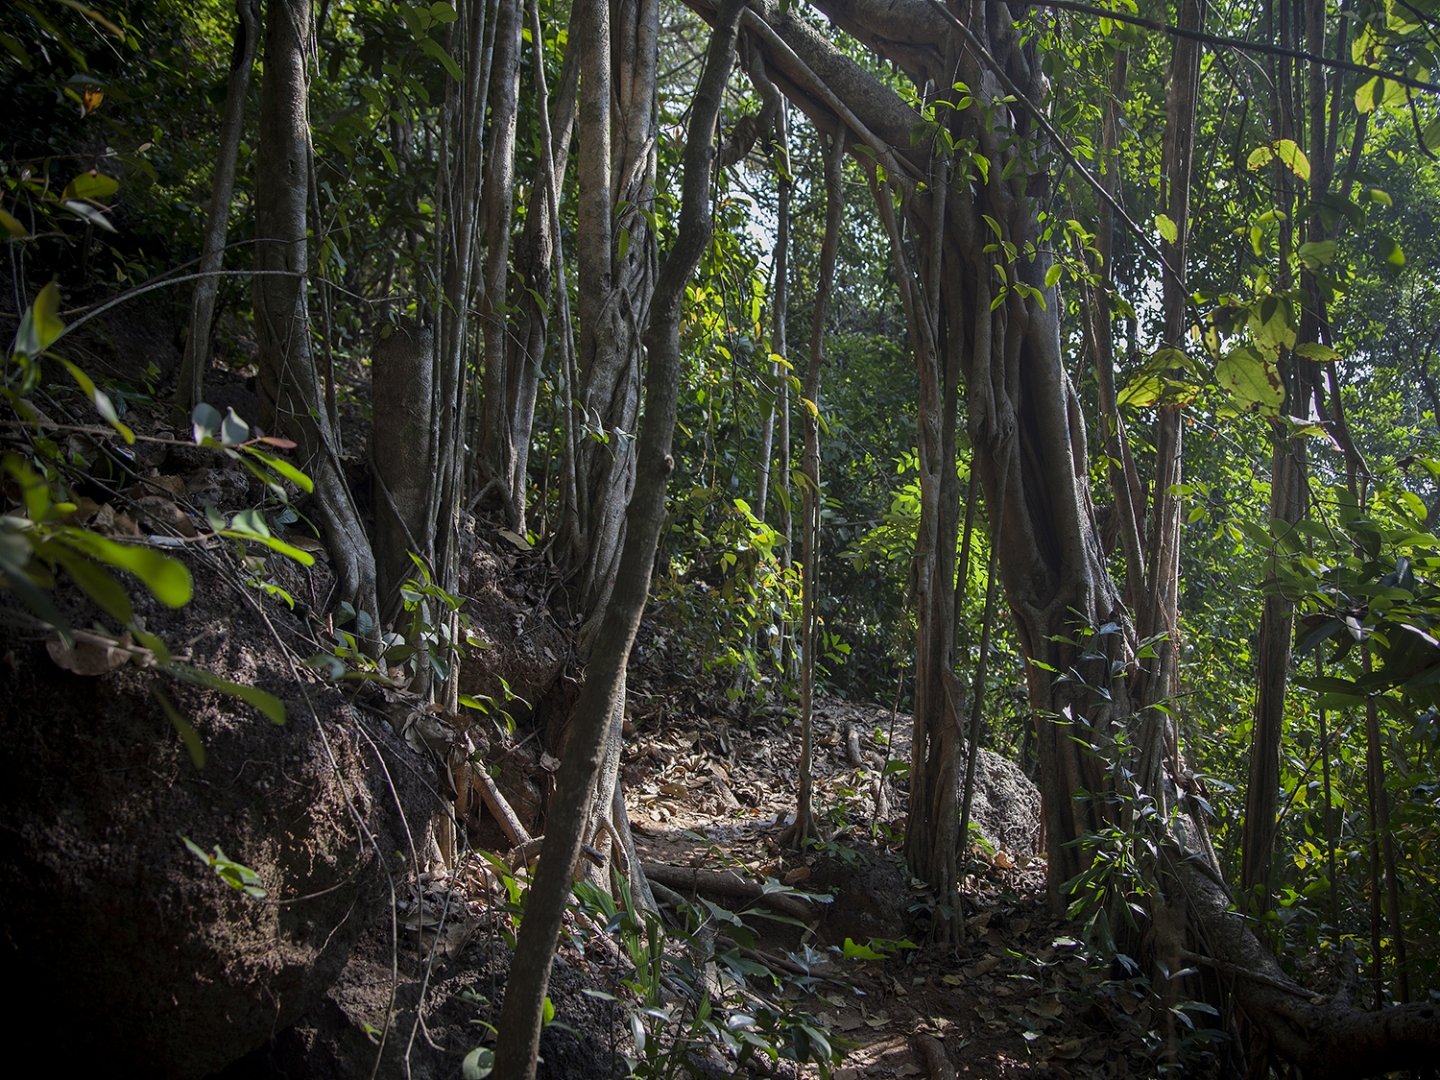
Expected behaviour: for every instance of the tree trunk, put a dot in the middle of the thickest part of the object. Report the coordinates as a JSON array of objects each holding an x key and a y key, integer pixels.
[
  {"x": 290, "y": 391},
  {"x": 616, "y": 255},
  {"x": 802, "y": 829},
  {"x": 603, "y": 694},
  {"x": 191, "y": 389},
  {"x": 537, "y": 266},
  {"x": 498, "y": 454}
]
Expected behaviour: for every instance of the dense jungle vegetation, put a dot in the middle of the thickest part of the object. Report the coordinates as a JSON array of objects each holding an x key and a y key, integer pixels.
[{"x": 1066, "y": 373}]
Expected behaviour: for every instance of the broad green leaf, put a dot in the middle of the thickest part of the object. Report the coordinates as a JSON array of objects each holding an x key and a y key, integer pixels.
[
  {"x": 1430, "y": 137},
  {"x": 1052, "y": 275},
  {"x": 1314, "y": 350},
  {"x": 233, "y": 430},
  {"x": 11, "y": 224},
  {"x": 1317, "y": 253},
  {"x": 91, "y": 185},
  {"x": 98, "y": 584},
  {"x": 154, "y": 643},
  {"x": 478, "y": 1063},
  {"x": 205, "y": 423},
  {"x": 1252, "y": 381},
  {"x": 1293, "y": 158},
  {"x": 89, "y": 213},
  {"x": 1168, "y": 229},
  {"x": 1391, "y": 251},
  {"x": 304, "y": 558},
  {"x": 41, "y": 325},
  {"x": 433, "y": 48},
  {"x": 856, "y": 951},
  {"x": 167, "y": 578},
  {"x": 1367, "y": 95},
  {"x": 33, "y": 489},
  {"x": 1259, "y": 158}
]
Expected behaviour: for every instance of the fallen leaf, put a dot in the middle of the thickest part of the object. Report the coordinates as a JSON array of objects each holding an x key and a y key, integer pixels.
[
  {"x": 1049, "y": 1010},
  {"x": 86, "y": 657}
]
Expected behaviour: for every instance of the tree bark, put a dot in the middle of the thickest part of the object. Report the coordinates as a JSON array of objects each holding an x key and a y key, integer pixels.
[
  {"x": 498, "y": 454},
  {"x": 191, "y": 389},
  {"x": 802, "y": 829},
  {"x": 290, "y": 391},
  {"x": 519, "y": 1040}
]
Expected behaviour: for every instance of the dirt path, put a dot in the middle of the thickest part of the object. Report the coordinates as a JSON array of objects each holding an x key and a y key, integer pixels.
[{"x": 1020, "y": 998}]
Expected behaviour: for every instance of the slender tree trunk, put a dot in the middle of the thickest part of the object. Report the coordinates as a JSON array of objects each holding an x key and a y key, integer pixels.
[
  {"x": 461, "y": 171},
  {"x": 519, "y": 1040},
  {"x": 191, "y": 388},
  {"x": 779, "y": 301},
  {"x": 616, "y": 255},
  {"x": 802, "y": 829},
  {"x": 290, "y": 392},
  {"x": 538, "y": 262},
  {"x": 497, "y": 435}
]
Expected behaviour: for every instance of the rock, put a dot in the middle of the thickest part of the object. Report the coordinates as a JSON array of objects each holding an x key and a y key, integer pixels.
[
  {"x": 1006, "y": 804},
  {"x": 131, "y": 954}
]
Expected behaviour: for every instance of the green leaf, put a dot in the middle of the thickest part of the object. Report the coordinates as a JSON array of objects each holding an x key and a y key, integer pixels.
[
  {"x": 1290, "y": 154},
  {"x": 548, "y": 1014},
  {"x": 854, "y": 951},
  {"x": 478, "y": 1063},
  {"x": 100, "y": 585},
  {"x": 1253, "y": 381},
  {"x": 1142, "y": 392},
  {"x": 1317, "y": 253},
  {"x": 103, "y": 405},
  {"x": 41, "y": 325},
  {"x": 434, "y": 49},
  {"x": 1391, "y": 251},
  {"x": 91, "y": 185},
  {"x": 233, "y": 430},
  {"x": 167, "y": 579},
  {"x": 12, "y": 225},
  {"x": 268, "y": 704},
  {"x": 304, "y": 558},
  {"x": 188, "y": 735},
  {"x": 1168, "y": 229},
  {"x": 89, "y": 213},
  {"x": 1052, "y": 275},
  {"x": 284, "y": 468},
  {"x": 205, "y": 423},
  {"x": 1314, "y": 350}
]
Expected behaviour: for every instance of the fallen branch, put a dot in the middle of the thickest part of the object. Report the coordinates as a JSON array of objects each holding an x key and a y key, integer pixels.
[
  {"x": 932, "y": 1052},
  {"x": 728, "y": 884},
  {"x": 500, "y": 809}
]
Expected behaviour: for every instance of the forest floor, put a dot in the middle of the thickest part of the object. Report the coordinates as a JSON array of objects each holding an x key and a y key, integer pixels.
[{"x": 1020, "y": 997}]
